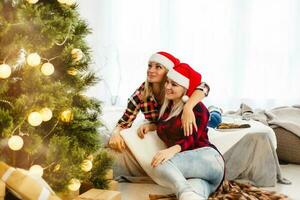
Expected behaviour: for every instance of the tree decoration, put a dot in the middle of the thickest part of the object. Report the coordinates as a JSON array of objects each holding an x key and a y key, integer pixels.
[
  {"x": 15, "y": 142},
  {"x": 33, "y": 59},
  {"x": 74, "y": 184},
  {"x": 77, "y": 54},
  {"x": 47, "y": 69},
  {"x": 35, "y": 119},
  {"x": 86, "y": 165},
  {"x": 5, "y": 71},
  {"x": 36, "y": 170},
  {"x": 72, "y": 71},
  {"x": 66, "y": 116},
  {"x": 46, "y": 114}
]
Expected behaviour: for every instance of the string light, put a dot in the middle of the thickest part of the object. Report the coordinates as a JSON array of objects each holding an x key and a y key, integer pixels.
[
  {"x": 15, "y": 142},
  {"x": 46, "y": 114},
  {"x": 32, "y": 1},
  {"x": 36, "y": 170},
  {"x": 35, "y": 119},
  {"x": 5, "y": 71},
  {"x": 86, "y": 165},
  {"x": 33, "y": 59},
  {"x": 47, "y": 69},
  {"x": 66, "y": 116},
  {"x": 74, "y": 184}
]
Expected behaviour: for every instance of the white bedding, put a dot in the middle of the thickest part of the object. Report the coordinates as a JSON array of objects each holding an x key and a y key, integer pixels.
[{"x": 145, "y": 149}]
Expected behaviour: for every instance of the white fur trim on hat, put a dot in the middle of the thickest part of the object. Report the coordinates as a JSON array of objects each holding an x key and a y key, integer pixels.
[
  {"x": 162, "y": 60},
  {"x": 179, "y": 78}
]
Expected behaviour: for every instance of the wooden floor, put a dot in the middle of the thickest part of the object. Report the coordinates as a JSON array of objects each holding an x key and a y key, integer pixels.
[{"x": 132, "y": 191}]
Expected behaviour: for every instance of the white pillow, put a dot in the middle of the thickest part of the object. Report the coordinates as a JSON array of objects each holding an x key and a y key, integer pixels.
[{"x": 144, "y": 149}]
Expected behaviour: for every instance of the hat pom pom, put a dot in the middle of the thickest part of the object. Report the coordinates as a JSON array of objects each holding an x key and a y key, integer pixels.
[{"x": 185, "y": 98}]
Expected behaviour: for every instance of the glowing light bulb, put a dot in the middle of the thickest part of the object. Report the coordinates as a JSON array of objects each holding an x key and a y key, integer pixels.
[
  {"x": 33, "y": 59},
  {"x": 86, "y": 165},
  {"x": 15, "y": 142},
  {"x": 70, "y": 2},
  {"x": 35, "y": 119},
  {"x": 74, "y": 184},
  {"x": 46, "y": 114},
  {"x": 47, "y": 69},
  {"x": 36, "y": 170},
  {"x": 72, "y": 71},
  {"x": 5, "y": 71}
]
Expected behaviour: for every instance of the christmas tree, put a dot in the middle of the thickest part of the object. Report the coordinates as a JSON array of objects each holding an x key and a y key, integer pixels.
[{"x": 47, "y": 125}]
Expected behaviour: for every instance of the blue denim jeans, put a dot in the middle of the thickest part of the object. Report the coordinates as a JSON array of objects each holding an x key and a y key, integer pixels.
[{"x": 200, "y": 170}]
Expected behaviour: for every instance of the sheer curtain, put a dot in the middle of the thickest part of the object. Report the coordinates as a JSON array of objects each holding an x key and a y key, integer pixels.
[{"x": 248, "y": 51}]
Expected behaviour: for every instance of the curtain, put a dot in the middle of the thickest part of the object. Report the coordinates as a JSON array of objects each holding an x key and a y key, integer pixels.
[{"x": 247, "y": 51}]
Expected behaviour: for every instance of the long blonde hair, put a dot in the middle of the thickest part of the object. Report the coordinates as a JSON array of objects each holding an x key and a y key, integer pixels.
[
  {"x": 148, "y": 88},
  {"x": 176, "y": 108}
]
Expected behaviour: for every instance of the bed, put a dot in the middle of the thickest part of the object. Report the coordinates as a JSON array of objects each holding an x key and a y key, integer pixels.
[{"x": 229, "y": 142}]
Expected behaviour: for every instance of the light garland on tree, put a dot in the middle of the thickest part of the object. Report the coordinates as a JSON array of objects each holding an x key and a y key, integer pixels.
[
  {"x": 35, "y": 119},
  {"x": 36, "y": 170},
  {"x": 33, "y": 59},
  {"x": 46, "y": 114},
  {"x": 15, "y": 142},
  {"x": 86, "y": 165},
  {"x": 47, "y": 69},
  {"x": 74, "y": 184},
  {"x": 5, "y": 71}
]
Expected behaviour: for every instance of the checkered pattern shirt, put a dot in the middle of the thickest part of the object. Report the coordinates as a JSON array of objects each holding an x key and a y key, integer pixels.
[
  {"x": 150, "y": 107},
  {"x": 171, "y": 131}
]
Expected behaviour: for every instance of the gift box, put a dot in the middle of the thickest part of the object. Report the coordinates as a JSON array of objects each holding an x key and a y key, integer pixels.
[
  {"x": 97, "y": 194},
  {"x": 2, "y": 190},
  {"x": 113, "y": 185},
  {"x": 25, "y": 186}
]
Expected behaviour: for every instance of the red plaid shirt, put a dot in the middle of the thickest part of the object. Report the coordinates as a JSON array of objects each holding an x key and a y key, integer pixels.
[
  {"x": 150, "y": 107},
  {"x": 171, "y": 131}
]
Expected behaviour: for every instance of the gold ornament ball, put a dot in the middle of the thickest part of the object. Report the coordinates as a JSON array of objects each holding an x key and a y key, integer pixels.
[
  {"x": 72, "y": 71},
  {"x": 5, "y": 71},
  {"x": 90, "y": 157},
  {"x": 46, "y": 114},
  {"x": 36, "y": 170},
  {"x": 70, "y": 2},
  {"x": 33, "y": 59},
  {"x": 74, "y": 184},
  {"x": 77, "y": 54},
  {"x": 35, "y": 119},
  {"x": 86, "y": 165},
  {"x": 47, "y": 69},
  {"x": 32, "y": 1},
  {"x": 15, "y": 142},
  {"x": 66, "y": 116},
  {"x": 56, "y": 168}
]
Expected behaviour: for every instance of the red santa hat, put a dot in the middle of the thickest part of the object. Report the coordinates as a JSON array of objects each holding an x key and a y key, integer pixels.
[
  {"x": 164, "y": 58},
  {"x": 185, "y": 76}
]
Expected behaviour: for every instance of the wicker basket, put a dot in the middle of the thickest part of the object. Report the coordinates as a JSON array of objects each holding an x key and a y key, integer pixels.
[{"x": 288, "y": 145}]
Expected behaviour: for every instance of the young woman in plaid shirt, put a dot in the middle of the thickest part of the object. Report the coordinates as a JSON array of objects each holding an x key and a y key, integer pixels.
[
  {"x": 190, "y": 157},
  {"x": 149, "y": 96}
]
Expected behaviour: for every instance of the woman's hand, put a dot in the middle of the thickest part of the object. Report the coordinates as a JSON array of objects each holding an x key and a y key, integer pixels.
[
  {"x": 145, "y": 128},
  {"x": 116, "y": 141},
  {"x": 188, "y": 120},
  {"x": 164, "y": 155}
]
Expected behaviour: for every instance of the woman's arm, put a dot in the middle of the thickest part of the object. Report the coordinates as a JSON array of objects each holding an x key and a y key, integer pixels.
[
  {"x": 116, "y": 142},
  {"x": 164, "y": 155},
  {"x": 188, "y": 118},
  {"x": 145, "y": 128}
]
